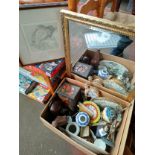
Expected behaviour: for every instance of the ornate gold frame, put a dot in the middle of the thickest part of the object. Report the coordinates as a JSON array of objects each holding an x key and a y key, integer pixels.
[{"x": 91, "y": 21}]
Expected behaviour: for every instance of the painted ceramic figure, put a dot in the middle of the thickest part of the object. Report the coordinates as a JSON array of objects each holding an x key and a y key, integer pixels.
[
  {"x": 108, "y": 114},
  {"x": 91, "y": 92},
  {"x": 82, "y": 119}
]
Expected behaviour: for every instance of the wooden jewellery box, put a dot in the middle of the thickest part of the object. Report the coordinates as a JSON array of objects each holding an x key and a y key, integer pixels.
[{"x": 90, "y": 40}]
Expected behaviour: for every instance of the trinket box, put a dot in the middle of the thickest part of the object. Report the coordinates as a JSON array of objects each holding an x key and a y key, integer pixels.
[
  {"x": 69, "y": 94},
  {"x": 51, "y": 68},
  {"x": 82, "y": 69},
  {"x": 71, "y": 132}
]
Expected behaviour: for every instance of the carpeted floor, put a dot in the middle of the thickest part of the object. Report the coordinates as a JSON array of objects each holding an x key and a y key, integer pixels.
[{"x": 34, "y": 137}]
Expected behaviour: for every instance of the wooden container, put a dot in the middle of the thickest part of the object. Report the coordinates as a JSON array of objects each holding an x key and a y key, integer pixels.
[
  {"x": 69, "y": 94},
  {"x": 120, "y": 141}
]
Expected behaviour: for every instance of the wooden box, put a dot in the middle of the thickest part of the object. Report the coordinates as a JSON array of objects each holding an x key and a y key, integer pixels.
[
  {"x": 77, "y": 43},
  {"x": 120, "y": 141},
  {"x": 69, "y": 94}
]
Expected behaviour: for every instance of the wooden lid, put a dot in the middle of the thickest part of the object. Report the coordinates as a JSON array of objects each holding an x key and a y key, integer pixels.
[{"x": 76, "y": 25}]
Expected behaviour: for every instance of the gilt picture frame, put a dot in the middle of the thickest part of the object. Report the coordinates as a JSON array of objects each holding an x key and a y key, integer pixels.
[
  {"x": 91, "y": 21},
  {"x": 40, "y": 32}
]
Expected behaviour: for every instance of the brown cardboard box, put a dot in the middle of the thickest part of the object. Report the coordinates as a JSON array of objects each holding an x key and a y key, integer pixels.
[
  {"x": 130, "y": 65},
  {"x": 121, "y": 135}
]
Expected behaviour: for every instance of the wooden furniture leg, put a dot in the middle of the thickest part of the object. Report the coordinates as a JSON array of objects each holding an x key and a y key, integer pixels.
[
  {"x": 118, "y": 3},
  {"x": 133, "y": 7},
  {"x": 101, "y": 8},
  {"x": 113, "y": 8},
  {"x": 72, "y": 5},
  {"x": 88, "y": 6},
  {"x": 103, "y": 4}
]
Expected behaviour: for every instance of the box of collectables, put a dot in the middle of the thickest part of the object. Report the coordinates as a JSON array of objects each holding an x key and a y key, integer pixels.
[
  {"x": 88, "y": 109},
  {"x": 88, "y": 54}
]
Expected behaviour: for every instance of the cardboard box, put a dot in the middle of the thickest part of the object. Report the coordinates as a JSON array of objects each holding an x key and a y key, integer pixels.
[
  {"x": 130, "y": 65},
  {"x": 128, "y": 101},
  {"x": 46, "y": 118}
]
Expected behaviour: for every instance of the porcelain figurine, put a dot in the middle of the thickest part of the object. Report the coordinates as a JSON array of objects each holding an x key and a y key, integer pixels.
[
  {"x": 91, "y": 92},
  {"x": 112, "y": 84},
  {"x": 103, "y": 73},
  {"x": 100, "y": 131},
  {"x": 118, "y": 120},
  {"x": 96, "y": 81},
  {"x": 103, "y": 102},
  {"x": 114, "y": 68},
  {"x": 118, "y": 71},
  {"x": 108, "y": 114}
]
